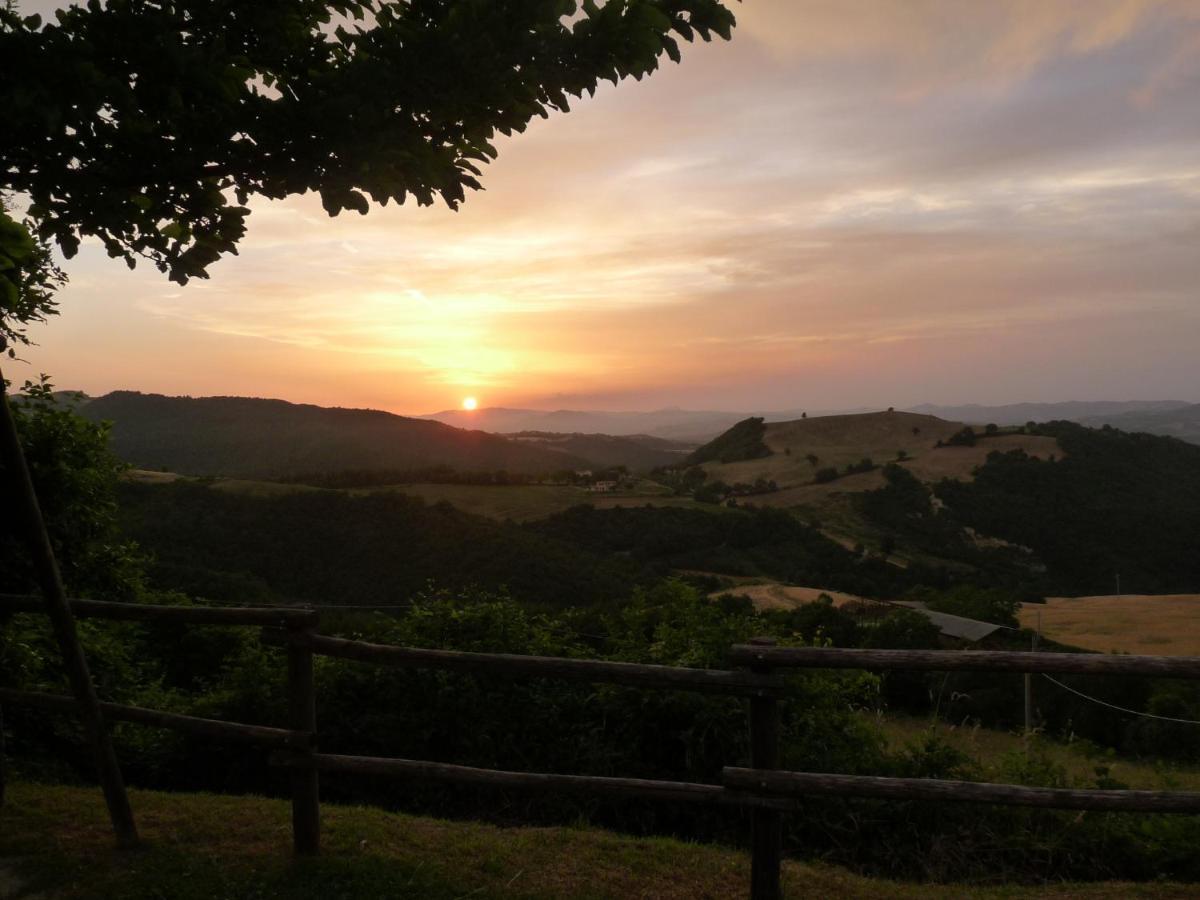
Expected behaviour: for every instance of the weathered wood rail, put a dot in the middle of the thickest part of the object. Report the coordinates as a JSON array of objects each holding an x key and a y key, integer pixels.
[{"x": 758, "y": 676}]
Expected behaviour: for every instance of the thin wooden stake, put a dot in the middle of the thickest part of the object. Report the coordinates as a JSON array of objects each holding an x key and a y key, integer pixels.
[{"x": 63, "y": 622}]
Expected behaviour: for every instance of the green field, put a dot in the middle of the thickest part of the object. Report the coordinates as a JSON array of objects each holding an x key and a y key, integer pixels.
[
  {"x": 520, "y": 503},
  {"x": 988, "y": 748},
  {"x": 55, "y": 841}
]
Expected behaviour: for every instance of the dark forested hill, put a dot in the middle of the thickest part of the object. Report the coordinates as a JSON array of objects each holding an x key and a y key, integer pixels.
[
  {"x": 1114, "y": 504},
  {"x": 334, "y": 547},
  {"x": 742, "y": 441},
  {"x": 250, "y": 438}
]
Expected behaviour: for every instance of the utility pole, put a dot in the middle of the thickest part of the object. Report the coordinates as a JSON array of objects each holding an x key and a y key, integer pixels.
[
  {"x": 1118, "y": 584},
  {"x": 50, "y": 581}
]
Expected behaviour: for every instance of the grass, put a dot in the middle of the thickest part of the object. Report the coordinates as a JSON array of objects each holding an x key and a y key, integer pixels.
[
  {"x": 520, "y": 503},
  {"x": 988, "y": 747},
  {"x": 55, "y": 842},
  {"x": 1162, "y": 625}
]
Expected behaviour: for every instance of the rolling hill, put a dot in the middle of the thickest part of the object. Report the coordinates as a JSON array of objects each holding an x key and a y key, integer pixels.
[
  {"x": 1075, "y": 506},
  {"x": 639, "y": 452},
  {"x": 246, "y": 437},
  {"x": 1082, "y": 411},
  {"x": 798, "y": 449}
]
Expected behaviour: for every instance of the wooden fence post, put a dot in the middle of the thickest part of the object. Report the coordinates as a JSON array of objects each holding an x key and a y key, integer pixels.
[
  {"x": 63, "y": 621},
  {"x": 302, "y": 702},
  {"x": 767, "y": 824},
  {"x": 3, "y": 771}
]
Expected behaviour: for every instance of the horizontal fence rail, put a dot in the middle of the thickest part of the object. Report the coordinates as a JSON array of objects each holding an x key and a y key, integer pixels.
[
  {"x": 212, "y": 728},
  {"x": 748, "y": 684},
  {"x": 639, "y": 788},
  {"x": 965, "y": 660},
  {"x": 188, "y": 615},
  {"x": 778, "y": 783}
]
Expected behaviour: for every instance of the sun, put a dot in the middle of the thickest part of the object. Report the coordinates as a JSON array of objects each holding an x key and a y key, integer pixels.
[{"x": 470, "y": 403}]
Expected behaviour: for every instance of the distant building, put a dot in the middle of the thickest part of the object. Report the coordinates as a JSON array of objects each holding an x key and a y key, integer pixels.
[
  {"x": 603, "y": 487},
  {"x": 953, "y": 626}
]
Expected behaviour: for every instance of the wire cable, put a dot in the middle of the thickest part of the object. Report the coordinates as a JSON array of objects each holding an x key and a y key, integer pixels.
[{"x": 1132, "y": 712}]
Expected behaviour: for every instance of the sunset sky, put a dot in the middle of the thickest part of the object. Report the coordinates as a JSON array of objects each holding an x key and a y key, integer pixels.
[{"x": 853, "y": 203}]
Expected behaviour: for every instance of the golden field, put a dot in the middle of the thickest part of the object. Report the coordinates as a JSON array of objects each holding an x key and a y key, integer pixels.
[{"x": 1155, "y": 624}]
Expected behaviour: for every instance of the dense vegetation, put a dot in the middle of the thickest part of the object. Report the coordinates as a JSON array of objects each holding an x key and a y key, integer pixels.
[
  {"x": 324, "y": 547},
  {"x": 1114, "y": 504},
  {"x": 743, "y": 441},
  {"x": 904, "y": 510},
  {"x": 378, "y": 548},
  {"x": 757, "y": 541}
]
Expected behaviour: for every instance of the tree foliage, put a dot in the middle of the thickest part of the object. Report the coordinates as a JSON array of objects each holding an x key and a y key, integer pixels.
[
  {"x": 150, "y": 123},
  {"x": 28, "y": 280},
  {"x": 75, "y": 475},
  {"x": 741, "y": 441}
]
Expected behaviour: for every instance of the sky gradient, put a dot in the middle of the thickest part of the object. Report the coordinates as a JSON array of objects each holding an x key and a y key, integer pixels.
[{"x": 853, "y": 203}]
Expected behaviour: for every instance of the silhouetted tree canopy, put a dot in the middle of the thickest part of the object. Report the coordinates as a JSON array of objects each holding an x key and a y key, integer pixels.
[{"x": 150, "y": 123}]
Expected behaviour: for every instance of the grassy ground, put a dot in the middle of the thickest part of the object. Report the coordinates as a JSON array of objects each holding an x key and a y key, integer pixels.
[
  {"x": 1159, "y": 625},
  {"x": 55, "y": 842},
  {"x": 987, "y": 747}
]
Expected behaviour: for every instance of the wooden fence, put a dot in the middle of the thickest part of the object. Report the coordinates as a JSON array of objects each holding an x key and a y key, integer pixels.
[{"x": 758, "y": 674}]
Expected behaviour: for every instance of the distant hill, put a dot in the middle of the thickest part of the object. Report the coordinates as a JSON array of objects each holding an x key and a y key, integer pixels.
[
  {"x": 700, "y": 426},
  {"x": 251, "y": 438},
  {"x": 1182, "y": 422},
  {"x": 693, "y": 426},
  {"x": 1081, "y": 411}
]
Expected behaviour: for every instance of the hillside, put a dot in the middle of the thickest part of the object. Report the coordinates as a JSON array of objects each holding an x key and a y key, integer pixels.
[
  {"x": 245, "y": 437},
  {"x": 638, "y": 452},
  {"x": 1182, "y": 422},
  {"x": 199, "y": 846},
  {"x": 1114, "y": 504},
  {"x": 1072, "y": 506},
  {"x": 798, "y": 449},
  {"x": 1083, "y": 411},
  {"x": 1157, "y": 624},
  {"x": 321, "y": 546}
]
